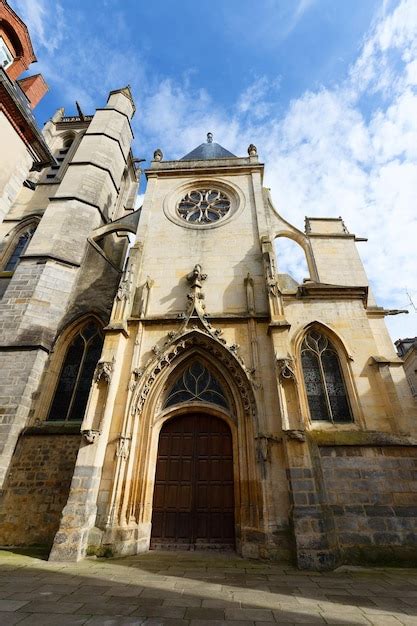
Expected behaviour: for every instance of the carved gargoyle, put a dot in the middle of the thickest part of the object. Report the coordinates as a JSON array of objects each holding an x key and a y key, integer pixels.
[
  {"x": 285, "y": 367},
  {"x": 104, "y": 371},
  {"x": 90, "y": 436}
]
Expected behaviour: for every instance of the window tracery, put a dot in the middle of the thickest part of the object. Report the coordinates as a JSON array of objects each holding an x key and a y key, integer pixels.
[
  {"x": 71, "y": 394},
  {"x": 196, "y": 383},
  {"x": 203, "y": 206},
  {"x": 323, "y": 378},
  {"x": 19, "y": 248}
]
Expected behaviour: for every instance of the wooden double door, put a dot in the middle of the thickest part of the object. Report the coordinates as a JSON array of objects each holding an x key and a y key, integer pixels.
[{"x": 193, "y": 503}]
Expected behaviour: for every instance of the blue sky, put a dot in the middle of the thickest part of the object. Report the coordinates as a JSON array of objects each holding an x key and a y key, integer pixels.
[{"x": 327, "y": 90}]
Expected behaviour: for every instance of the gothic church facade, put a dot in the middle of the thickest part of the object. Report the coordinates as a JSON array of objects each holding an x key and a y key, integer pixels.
[{"x": 181, "y": 392}]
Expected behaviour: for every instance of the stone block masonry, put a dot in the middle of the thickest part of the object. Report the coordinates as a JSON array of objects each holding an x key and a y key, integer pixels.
[
  {"x": 36, "y": 488},
  {"x": 372, "y": 492}
]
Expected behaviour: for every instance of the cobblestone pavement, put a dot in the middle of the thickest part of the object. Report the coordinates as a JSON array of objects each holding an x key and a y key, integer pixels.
[{"x": 199, "y": 589}]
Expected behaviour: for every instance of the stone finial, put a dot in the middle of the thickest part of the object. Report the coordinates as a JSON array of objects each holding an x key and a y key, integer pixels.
[
  {"x": 158, "y": 155},
  {"x": 252, "y": 150},
  {"x": 209, "y": 137}
]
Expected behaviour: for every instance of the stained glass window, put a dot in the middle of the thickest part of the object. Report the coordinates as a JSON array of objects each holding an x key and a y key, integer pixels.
[
  {"x": 326, "y": 391},
  {"x": 20, "y": 247},
  {"x": 76, "y": 375},
  {"x": 197, "y": 384}
]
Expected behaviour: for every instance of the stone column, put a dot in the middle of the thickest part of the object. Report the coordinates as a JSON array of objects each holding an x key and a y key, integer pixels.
[
  {"x": 79, "y": 514},
  {"x": 314, "y": 533}
]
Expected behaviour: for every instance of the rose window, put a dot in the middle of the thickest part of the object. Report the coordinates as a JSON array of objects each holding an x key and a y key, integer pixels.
[{"x": 203, "y": 206}]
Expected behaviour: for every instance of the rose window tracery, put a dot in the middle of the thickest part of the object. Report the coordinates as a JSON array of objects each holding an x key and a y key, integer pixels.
[{"x": 203, "y": 206}]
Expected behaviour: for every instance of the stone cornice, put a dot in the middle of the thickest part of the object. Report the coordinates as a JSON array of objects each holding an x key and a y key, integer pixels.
[
  {"x": 324, "y": 291},
  {"x": 359, "y": 438}
]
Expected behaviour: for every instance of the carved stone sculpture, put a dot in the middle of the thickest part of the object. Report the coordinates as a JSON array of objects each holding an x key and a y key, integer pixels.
[
  {"x": 90, "y": 436},
  {"x": 104, "y": 371},
  {"x": 285, "y": 368}
]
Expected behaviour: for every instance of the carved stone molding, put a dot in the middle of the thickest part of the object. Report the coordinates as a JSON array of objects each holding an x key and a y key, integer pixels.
[
  {"x": 187, "y": 341},
  {"x": 90, "y": 436},
  {"x": 200, "y": 334},
  {"x": 125, "y": 285},
  {"x": 264, "y": 442},
  {"x": 137, "y": 374},
  {"x": 123, "y": 447},
  {"x": 104, "y": 371},
  {"x": 297, "y": 435},
  {"x": 285, "y": 367},
  {"x": 250, "y": 294}
]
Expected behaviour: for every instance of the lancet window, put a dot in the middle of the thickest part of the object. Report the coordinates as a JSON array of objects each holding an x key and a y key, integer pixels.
[
  {"x": 76, "y": 375},
  {"x": 323, "y": 378},
  {"x": 19, "y": 248},
  {"x": 197, "y": 384}
]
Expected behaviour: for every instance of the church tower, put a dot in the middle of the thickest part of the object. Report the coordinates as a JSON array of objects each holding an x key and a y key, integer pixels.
[{"x": 229, "y": 399}]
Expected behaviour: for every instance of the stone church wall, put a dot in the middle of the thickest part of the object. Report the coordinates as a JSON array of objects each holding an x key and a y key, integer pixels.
[
  {"x": 37, "y": 487},
  {"x": 372, "y": 492}
]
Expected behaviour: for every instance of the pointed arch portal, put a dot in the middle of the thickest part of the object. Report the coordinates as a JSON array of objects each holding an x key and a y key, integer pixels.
[{"x": 193, "y": 503}]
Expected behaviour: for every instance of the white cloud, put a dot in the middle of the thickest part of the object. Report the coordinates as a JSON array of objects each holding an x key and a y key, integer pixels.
[
  {"x": 348, "y": 150},
  {"x": 325, "y": 156},
  {"x": 46, "y": 22}
]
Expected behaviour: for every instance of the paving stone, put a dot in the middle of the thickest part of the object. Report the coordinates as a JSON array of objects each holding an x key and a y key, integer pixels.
[
  {"x": 344, "y": 618},
  {"x": 8, "y": 618},
  {"x": 54, "y": 619},
  {"x": 263, "y": 615},
  {"x": 386, "y": 620},
  {"x": 214, "y": 622},
  {"x": 109, "y": 620},
  {"x": 213, "y": 603},
  {"x": 12, "y": 605},
  {"x": 205, "y": 613},
  {"x": 104, "y": 608},
  {"x": 176, "y": 612},
  {"x": 157, "y": 621},
  {"x": 129, "y": 591},
  {"x": 42, "y": 606},
  {"x": 184, "y": 601},
  {"x": 296, "y": 617}
]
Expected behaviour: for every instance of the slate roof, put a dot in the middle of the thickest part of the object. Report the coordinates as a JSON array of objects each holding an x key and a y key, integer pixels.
[{"x": 208, "y": 150}]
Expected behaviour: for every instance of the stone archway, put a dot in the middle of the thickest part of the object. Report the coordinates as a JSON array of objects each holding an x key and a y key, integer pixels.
[
  {"x": 193, "y": 500},
  {"x": 130, "y": 531}
]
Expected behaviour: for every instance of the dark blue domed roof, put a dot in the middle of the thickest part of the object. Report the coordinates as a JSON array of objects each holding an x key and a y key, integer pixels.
[{"x": 208, "y": 150}]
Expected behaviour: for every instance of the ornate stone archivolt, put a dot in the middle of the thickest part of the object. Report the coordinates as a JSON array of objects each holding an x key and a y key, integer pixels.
[{"x": 196, "y": 332}]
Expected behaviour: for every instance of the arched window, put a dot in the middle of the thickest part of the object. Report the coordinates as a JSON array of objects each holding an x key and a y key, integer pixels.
[
  {"x": 20, "y": 246},
  {"x": 326, "y": 391},
  {"x": 196, "y": 383},
  {"x": 76, "y": 375}
]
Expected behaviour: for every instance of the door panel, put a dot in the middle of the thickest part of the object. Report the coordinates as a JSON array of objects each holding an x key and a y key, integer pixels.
[{"x": 193, "y": 502}]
